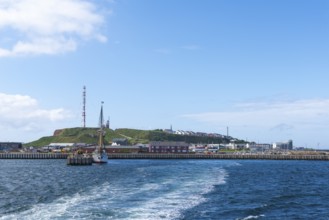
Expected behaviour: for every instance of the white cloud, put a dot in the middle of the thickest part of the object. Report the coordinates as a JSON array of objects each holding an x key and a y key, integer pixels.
[
  {"x": 23, "y": 113},
  {"x": 297, "y": 119},
  {"x": 47, "y": 26},
  {"x": 259, "y": 114}
]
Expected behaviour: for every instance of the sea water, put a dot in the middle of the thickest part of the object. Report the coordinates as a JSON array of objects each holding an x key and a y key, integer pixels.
[{"x": 164, "y": 189}]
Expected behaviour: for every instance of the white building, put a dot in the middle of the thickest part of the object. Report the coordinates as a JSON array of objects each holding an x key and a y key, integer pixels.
[
  {"x": 235, "y": 146},
  {"x": 258, "y": 147},
  {"x": 214, "y": 148},
  {"x": 197, "y": 148},
  {"x": 283, "y": 145}
]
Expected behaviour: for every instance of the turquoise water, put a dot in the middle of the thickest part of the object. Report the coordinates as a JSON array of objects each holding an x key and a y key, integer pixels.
[{"x": 164, "y": 189}]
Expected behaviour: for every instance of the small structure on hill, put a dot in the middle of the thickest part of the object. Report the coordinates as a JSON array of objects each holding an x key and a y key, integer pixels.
[{"x": 119, "y": 141}]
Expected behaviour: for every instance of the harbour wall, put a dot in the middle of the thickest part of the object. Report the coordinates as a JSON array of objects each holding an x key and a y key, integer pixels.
[
  {"x": 172, "y": 156},
  {"x": 33, "y": 156},
  {"x": 220, "y": 156}
]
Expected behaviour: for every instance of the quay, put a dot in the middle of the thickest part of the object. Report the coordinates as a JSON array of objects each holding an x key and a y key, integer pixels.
[
  {"x": 79, "y": 160},
  {"x": 171, "y": 156},
  {"x": 33, "y": 156},
  {"x": 219, "y": 156}
]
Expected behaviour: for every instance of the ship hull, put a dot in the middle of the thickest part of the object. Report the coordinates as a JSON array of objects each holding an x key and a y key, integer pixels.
[{"x": 100, "y": 158}]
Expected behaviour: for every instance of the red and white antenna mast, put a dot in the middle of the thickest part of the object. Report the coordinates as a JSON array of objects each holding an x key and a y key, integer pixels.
[{"x": 84, "y": 107}]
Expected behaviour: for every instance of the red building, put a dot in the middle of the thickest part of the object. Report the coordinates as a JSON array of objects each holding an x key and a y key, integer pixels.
[{"x": 168, "y": 147}]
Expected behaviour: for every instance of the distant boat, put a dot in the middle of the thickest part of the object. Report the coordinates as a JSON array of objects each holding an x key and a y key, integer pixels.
[{"x": 100, "y": 155}]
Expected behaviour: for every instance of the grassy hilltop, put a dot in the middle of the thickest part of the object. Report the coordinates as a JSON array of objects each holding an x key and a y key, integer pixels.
[{"x": 134, "y": 136}]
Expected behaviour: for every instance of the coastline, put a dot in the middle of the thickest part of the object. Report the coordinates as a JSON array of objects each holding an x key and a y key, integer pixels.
[{"x": 172, "y": 156}]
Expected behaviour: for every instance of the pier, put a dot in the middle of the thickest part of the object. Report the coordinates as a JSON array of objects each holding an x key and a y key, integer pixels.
[
  {"x": 172, "y": 156},
  {"x": 33, "y": 156},
  {"x": 79, "y": 160}
]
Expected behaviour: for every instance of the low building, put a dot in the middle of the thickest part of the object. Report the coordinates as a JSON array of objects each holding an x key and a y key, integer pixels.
[
  {"x": 214, "y": 148},
  {"x": 122, "y": 149},
  {"x": 283, "y": 145},
  {"x": 10, "y": 146},
  {"x": 143, "y": 148},
  {"x": 201, "y": 134},
  {"x": 235, "y": 146},
  {"x": 119, "y": 141},
  {"x": 168, "y": 147},
  {"x": 258, "y": 147},
  {"x": 61, "y": 145},
  {"x": 197, "y": 148}
]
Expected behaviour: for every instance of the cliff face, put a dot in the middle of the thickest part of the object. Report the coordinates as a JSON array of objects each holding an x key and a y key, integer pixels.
[{"x": 58, "y": 132}]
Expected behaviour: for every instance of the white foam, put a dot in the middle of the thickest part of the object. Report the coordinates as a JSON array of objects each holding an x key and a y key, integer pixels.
[
  {"x": 69, "y": 206},
  {"x": 172, "y": 204},
  {"x": 165, "y": 198},
  {"x": 253, "y": 217}
]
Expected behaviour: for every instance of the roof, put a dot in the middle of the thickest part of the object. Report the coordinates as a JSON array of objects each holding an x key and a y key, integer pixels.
[{"x": 62, "y": 144}]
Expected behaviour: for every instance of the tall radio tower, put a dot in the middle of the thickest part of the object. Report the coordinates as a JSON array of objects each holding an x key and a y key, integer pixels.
[{"x": 84, "y": 107}]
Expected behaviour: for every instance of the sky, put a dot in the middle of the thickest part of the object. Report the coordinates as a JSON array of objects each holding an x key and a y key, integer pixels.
[{"x": 260, "y": 68}]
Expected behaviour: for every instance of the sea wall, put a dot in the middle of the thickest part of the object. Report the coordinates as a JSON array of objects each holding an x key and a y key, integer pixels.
[
  {"x": 33, "y": 156},
  {"x": 171, "y": 156},
  {"x": 220, "y": 156}
]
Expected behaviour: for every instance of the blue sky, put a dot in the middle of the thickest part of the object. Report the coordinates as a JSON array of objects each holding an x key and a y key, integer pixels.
[{"x": 259, "y": 67}]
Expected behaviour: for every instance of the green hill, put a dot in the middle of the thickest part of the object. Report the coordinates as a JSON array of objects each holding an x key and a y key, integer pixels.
[{"x": 134, "y": 136}]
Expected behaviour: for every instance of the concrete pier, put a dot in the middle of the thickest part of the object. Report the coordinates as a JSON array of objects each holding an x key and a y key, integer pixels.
[
  {"x": 79, "y": 160},
  {"x": 33, "y": 156}
]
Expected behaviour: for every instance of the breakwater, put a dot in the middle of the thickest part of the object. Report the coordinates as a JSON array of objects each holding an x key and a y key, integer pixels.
[
  {"x": 33, "y": 156},
  {"x": 220, "y": 156},
  {"x": 171, "y": 156}
]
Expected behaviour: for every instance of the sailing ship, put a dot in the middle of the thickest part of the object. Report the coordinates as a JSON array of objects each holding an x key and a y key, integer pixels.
[{"x": 100, "y": 155}]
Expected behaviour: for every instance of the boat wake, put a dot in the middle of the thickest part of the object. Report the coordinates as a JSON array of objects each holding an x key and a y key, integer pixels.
[
  {"x": 163, "y": 197},
  {"x": 66, "y": 207},
  {"x": 177, "y": 199}
]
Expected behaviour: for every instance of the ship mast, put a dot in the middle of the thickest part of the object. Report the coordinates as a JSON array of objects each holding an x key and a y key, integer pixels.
[
  {"x": 101, "y": 129},
  {"x": 84, "y": 107}
]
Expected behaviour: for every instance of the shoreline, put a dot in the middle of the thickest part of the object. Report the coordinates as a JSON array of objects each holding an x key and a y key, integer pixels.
[{"x": 172, "y": 156}]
